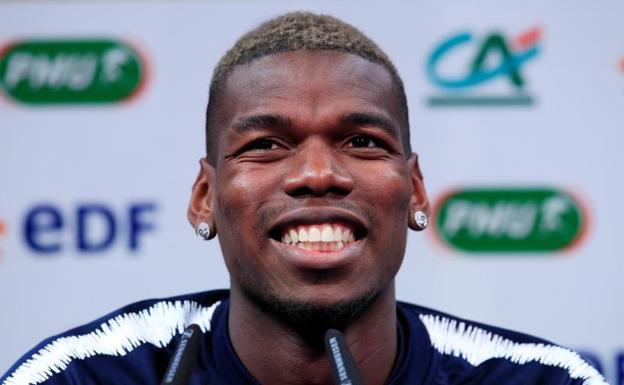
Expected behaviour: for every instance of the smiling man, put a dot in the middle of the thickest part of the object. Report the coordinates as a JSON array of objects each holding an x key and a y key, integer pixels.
[{"x": 311, "y": 185}]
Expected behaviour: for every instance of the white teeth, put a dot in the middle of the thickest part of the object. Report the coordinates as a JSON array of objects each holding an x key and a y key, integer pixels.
[
  {"x": 320, "y": 246},
  {"x": 327, "y": 235},
  {"x": 314, "y": 234},
  {"x": 337, "y": 234},
  {"x": 293, "y": 236},
  {"x": 323, "y": 237}
]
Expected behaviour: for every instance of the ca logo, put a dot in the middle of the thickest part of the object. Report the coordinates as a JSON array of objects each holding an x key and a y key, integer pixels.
[{"x": 493, "y": 57}]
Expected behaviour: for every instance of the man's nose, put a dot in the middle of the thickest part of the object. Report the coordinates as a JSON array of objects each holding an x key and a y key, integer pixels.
[{"x": 317, "y": 171}]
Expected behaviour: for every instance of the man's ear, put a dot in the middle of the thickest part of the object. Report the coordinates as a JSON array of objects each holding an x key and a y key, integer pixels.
[
  {"x": 418, "y": 200},
  {"x": 201, "y": 205}
]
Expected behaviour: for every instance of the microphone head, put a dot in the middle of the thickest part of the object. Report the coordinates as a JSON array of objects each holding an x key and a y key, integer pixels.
[
  {"x": 343, "y": 365},
  {"x": 183, "y": 358}
]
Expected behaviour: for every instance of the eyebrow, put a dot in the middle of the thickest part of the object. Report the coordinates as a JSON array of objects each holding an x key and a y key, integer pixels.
[
  {"x": 370, "y": 119},
  {"x": 276, "y": 120},
  {"x": 257, "y": 122}
]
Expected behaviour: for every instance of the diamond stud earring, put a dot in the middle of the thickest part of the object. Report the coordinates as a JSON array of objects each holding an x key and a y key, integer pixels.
[
  {"x": 421, "y": 220},
  {"x": 203, "y": 231}
]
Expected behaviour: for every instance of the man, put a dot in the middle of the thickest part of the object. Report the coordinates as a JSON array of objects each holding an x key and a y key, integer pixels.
[{"x": 311, "y": 184}]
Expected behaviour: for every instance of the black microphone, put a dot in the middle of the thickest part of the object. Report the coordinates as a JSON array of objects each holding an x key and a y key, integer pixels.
[
  {"x": 343, "y": 365},
  {"x": 183, "y": 358}
]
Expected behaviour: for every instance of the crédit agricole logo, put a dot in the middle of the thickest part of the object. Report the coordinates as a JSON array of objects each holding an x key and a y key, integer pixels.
[
  {"x": 70, "y": 71},
  {"x": 509, "y": 220},
  {"x": 469, "y": 70}
]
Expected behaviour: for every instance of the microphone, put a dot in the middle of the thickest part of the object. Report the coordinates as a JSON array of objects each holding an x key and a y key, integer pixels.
[
  {"x": 183, "y": 358},
  {"x": 343, "y": 365}
]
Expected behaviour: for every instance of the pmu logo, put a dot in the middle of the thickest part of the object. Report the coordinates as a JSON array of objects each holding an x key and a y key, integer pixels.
[
  {"x": 87, "y": 228},
  {"x": 482, "y": 71},
  {"x": 70, "y": 71},
  {"x": 504, "y": 220}
]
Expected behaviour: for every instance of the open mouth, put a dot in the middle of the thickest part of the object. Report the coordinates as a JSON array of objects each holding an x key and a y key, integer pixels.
[{"x": 324, "y": 237}]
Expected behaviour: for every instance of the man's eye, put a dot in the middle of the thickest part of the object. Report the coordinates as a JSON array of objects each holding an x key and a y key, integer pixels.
[
  {"x": 261, "y": 145},
  {"x": 362, "y": 141}
]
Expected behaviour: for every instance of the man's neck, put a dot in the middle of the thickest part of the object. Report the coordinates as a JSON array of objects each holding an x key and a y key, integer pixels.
[{"x": 277, "y": 354}]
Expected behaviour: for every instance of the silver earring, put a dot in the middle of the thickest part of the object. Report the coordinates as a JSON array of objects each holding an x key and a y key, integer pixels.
[
  {"x": 421, "y": 220},
  {"x": 203, "y": 231}
]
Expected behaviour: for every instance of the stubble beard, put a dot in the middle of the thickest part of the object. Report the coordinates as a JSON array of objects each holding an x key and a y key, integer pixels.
[{"x": 308, "y": 318}]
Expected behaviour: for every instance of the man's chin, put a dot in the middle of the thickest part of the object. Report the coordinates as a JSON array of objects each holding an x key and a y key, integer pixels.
[{"x": 312, "y": 315}]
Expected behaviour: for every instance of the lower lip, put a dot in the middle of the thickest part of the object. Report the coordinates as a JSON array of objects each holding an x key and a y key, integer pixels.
[{"x": 319, "y": 260}]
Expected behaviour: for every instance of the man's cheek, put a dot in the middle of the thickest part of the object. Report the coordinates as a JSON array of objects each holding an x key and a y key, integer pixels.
[
  {"x": 386, "y": 181},
  {"x": 251, "y": 183},
  {"x": 235, "y": 196},
  {"x": 392, "y": 193}
]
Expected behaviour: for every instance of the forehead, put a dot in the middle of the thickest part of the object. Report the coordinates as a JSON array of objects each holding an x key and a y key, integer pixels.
[{"x": 307, "y": 85}]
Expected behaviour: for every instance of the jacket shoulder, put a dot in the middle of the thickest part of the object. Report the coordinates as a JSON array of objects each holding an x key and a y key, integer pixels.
[
  {"x": 150, "y": 323},
  {"x": 492, "y": 355}
]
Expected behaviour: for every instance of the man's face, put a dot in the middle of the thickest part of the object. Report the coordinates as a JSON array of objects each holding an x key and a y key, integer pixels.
[{"x": 312, "y": 190}]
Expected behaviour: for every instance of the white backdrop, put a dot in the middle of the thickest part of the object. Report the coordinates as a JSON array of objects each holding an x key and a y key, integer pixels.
[{"x": 106, "y": 158}]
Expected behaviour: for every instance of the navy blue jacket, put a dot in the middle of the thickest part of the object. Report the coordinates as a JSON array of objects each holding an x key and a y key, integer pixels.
[{"x": 133, "y": 346}]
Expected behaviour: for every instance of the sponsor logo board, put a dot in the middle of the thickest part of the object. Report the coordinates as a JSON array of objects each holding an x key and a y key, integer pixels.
[
  {"x": 44, "y": 72},
  {"x": 508, "y": 220},
  {"x": 464, "y": 64},
  {"x": 86, "y": 228},
  {"x": 50, "y": 229}
]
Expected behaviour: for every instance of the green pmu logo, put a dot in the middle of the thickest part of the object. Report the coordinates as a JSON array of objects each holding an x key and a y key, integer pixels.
[
  {"x": 70, "y": 71},
  {"x": 509, "y": 220}
]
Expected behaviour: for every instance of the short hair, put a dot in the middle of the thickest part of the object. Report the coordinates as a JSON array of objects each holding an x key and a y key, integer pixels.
[{"x": 300, "y": 31}]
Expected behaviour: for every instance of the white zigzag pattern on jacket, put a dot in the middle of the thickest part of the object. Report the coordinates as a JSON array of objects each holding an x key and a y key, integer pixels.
[
  {"x": 156, "y": 325},
  {"x": 476, "y": 345}
]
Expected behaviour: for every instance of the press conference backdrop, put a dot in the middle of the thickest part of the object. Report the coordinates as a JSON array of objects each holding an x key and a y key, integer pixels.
[{"x": 516, "y": 109}]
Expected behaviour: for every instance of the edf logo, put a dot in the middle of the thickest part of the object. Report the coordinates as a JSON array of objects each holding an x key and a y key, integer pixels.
[{"x": 87, "y": 228}]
